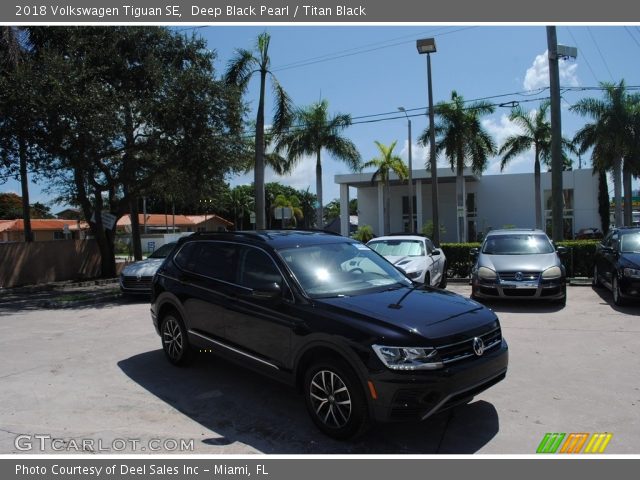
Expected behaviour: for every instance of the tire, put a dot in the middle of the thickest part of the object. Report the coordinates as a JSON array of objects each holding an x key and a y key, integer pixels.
[
  {"x": 175, "y": 341},
  {"x": 562, "y": 301},
  {"x": 427, "y": 279},
  {"x": 443, "y": 278},
  {"x": 596, "y": 281},
  {"x": 615, "y": 288},
  {"x": 335, "y": 399}
]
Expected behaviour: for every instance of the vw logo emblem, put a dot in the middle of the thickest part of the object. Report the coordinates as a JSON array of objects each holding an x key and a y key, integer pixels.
[
  {"x": 139, "y": 277},
  {"x": 519, "y": 276},
  {"x": 478, "y": 346}
]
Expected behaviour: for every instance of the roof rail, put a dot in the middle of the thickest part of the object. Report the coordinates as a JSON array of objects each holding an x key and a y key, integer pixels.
[{"x": 233, "y": 233}]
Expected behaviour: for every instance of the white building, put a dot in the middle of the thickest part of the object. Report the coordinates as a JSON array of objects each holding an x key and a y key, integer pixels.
[{"x": 493, "y": 201}]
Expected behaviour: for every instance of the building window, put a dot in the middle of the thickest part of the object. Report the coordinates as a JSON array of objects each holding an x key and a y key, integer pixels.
[
  {"x": 405, "y": 215},
  {"x": 567, "y": 213}
]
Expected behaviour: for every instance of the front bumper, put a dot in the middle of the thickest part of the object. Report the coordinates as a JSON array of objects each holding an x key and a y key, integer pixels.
[
  {"x": 415, "y": 396},
  {"x": 543, "y": 289},
  {"x": 630, "y": 288}
]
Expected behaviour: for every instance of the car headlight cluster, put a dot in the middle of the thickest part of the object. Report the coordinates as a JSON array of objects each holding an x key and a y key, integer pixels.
[
  {"x": 414, "y": 275},
  {"x": 408, "y": 358},
  {"x": 631, "y": 272},
  {"x": 486, "y": 273},
  {"x": 552, "y": 273}
]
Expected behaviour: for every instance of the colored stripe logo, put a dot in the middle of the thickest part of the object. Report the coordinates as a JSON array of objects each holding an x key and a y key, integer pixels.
[{"x": 574, "y": 443}]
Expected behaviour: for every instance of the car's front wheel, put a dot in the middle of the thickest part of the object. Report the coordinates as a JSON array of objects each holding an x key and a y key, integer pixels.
[
  {"x": 617, "y": 294},
  {"x": 443, "y": 278},
  {"x": 335, "y": 400},
  {"x": 175, "y": 342}
]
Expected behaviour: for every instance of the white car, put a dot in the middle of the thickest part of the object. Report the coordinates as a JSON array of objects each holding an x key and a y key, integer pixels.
[
  {"x": 136, "y": 278},
  {"x": 421, "y": 261}
]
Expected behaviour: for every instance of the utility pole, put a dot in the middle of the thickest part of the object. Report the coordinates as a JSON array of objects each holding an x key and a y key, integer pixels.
[{"x": 556, "y": 138}]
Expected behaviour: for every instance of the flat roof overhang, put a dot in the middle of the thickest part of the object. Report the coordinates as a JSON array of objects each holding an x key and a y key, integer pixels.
[{"x": 445, "y": 175}]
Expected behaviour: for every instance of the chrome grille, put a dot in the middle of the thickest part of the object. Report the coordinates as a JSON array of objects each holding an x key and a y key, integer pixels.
[
  {"x": 526, "y": 276},
  {"x": 132, "y": 283},
  {"x": 461, "y": 350}
]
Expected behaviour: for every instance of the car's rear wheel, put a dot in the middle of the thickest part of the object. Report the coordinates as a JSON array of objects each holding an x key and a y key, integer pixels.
[
  {"x": 615, "y": 287},
  {"x": 596, "y": 280},
  {"x": 175, "y": 342},
  {"x": 335, "y": 399}
]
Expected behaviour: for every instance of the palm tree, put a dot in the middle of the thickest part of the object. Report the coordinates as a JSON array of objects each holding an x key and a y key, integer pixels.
[
  {"x": 293, "y": 203},
  {"x": 462, "y": 139},
  {"x": 240, "y": 202},
  {"x": 239, "y": 71},
  {"x": 386, "y": 163},
  {"x": 314, "y": 131},
  {"x": 12, "y": 58},
  {"x": 536, "y": 134},
  {"x": 611, "y": 137}
]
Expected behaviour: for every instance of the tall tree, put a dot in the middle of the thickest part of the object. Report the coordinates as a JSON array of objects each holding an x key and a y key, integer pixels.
[
  {"x": 610, "y": 136},
  {"x": 464, "y": 142},
  {"x": 16, "y": 117},
  {"x": 293, "y": 204},
  {"x": 386, "y": 163},
  {"x": 128, "y": 108},
  {"x": 315, "y": 131},
  {"x": 239, "y": 72},
  {"x": 535, "y": 133},
  {"x": 240, "y": 203}
]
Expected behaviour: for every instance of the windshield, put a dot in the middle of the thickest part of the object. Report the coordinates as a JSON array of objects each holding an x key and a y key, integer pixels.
[
  {"x": 398, "y": 248},
  {"x": 341, "y": 269},
  {"x": 163, "y": 251},
  {"x": 630, "y": 242},
  {"x": 517, "y": 244}
]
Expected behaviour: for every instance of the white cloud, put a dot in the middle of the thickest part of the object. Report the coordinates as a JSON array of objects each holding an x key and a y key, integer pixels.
[
  {"x": 500, "y": 130},
  {"x": 537, "y": 74}
]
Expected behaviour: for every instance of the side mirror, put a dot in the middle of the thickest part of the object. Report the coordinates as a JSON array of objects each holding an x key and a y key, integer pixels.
[
  {"x": 267, "y": 291},
  {"x": 607, "y": 250},
  {"x": 562, "y": 250},
  {"x": 436, "y": 252},
  {"x": 474, "y": 252}
]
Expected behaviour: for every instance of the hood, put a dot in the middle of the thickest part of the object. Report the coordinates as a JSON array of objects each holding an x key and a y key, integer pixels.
[
  {"x": 407, "y": 263},
  {"x": 144, "y": 268},
  {"x": 516, "y": 263},
  {"x": 429, "y": 312},
  {"x": 630, "y": 258}
]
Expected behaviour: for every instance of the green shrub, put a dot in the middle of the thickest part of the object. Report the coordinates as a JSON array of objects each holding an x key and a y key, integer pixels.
[
  {"x": 459, "y": 260},
  {"x": 579, "y": 260},
  {"x": 363, "y": 234}
]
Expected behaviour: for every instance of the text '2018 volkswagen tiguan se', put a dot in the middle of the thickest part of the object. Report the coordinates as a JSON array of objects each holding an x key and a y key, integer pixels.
[{"x": 331, "y": 317}]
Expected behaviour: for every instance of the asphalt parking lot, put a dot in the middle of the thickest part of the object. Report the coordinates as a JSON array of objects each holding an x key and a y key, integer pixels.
[{"x": 97, "y": 373}]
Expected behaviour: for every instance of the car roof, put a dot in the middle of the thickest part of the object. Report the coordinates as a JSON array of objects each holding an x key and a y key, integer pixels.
[
  {"x": 398, "y": 237},
  {"x": 627, "y": 229},
  {"x": 275, "y": 238},
  {"x": 516, "y": 231}
]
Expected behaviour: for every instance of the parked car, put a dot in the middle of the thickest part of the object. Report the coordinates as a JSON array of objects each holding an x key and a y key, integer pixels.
[
  {"x": 617, "y": 264},
  {"x": 135, "y": 278},
  {"x": 416, "y": 255},
  {"x": 518, "y": 264},
  {"x": 588, "y": 234},
  {"x": 327, "y": 315}
]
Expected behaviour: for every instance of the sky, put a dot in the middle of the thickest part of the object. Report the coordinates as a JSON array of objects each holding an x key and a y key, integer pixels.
[{"x": 366, "y": 71}]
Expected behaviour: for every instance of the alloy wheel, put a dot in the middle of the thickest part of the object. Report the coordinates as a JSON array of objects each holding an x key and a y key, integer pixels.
[
  {"x": 330, "y": 399},
  {"x": 172, "y": 338}
]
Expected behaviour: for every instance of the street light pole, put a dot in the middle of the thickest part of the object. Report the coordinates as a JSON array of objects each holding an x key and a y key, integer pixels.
[
  {"x": 411, "y": 227},
  {"x": 428, "y": 46}
]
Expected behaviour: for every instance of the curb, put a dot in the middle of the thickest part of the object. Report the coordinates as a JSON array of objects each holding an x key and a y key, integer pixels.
[{"x": 96, "y": 299}]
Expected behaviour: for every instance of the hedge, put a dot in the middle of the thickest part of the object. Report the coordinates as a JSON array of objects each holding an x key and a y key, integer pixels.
[{"x": 578, "y": 261}]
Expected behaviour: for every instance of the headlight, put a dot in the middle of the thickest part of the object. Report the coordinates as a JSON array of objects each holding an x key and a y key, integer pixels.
[
  {"x": 486, "y": 273},
  {"x": 408, "y": 358},
  {"x": 413, "y": 275},
  {"x": 552, "y": 273},
  {"x": 631, "y": 272}
]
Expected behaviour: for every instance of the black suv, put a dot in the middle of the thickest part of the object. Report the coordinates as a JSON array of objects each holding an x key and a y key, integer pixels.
[{"x": 328, "y": 315}]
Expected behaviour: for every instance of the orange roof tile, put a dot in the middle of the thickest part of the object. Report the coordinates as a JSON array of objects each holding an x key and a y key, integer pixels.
[{"x": 40, "y": 224}]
